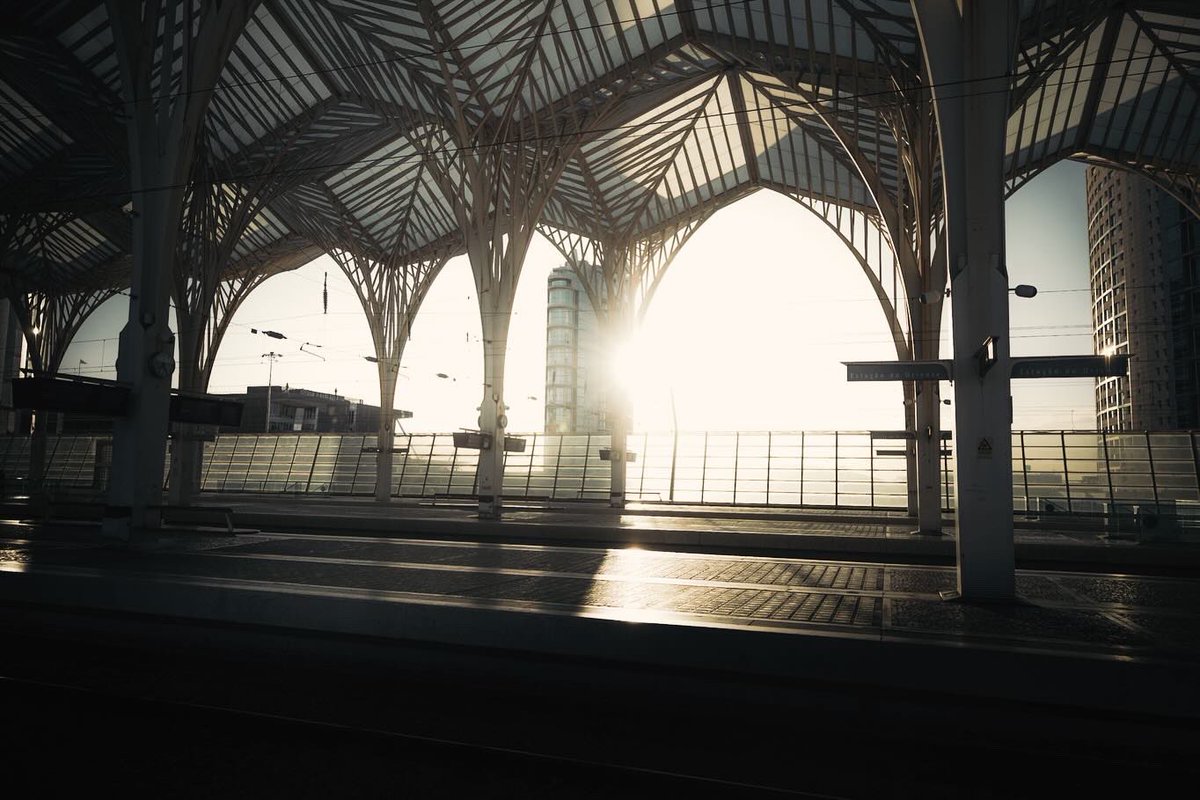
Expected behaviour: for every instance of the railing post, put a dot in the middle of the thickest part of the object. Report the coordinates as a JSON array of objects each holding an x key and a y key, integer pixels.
[
  {"x": 836, "y": 464},
  {"x": 1195, "y": 460},
  {"x": 737, "y": 447},
  {"x": 229, "y": 463},
  {"x": 1062, "y": 438},
  {"x": 557, "y": 465},
  {"x": 871, "y": 465},
  {"x": 428, "y": 464},
  {"x": 946, "y": 476},
  {"x": 291, "y": 464},
  {"x": 703, "y": 468},
  {"x": 1153, "y": 477},
  {"x": 1108, "y": 470},
  {"x": 357, "y": 464},
  {"x": 768, "y": 468},
  {"x": 453, "y": 466},
  {"x": 404, "y": 465},
  {"x": 801, "y": 467},
  {"x": 674, "y": 458},
  {"x": 529, "y": 474},
  {"x": 645, "y": 456},
  {"x": 1025, "y": 471},
  {"x": 587, "y": 452},
  {"x": 206, "y": 463},
  {"x": 312, "y": 468}
]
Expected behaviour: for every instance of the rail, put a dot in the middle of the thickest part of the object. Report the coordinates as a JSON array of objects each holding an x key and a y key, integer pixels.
[{"x": 1070, "y": 471}]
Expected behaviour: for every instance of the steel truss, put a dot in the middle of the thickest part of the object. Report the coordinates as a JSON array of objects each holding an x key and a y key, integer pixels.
[{"x": 599, "y": 119}]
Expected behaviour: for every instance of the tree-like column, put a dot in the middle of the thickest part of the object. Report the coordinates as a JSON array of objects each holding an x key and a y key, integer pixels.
[
  {"x": 620, "y": 275},
  {"x": 170, "y": 54}
]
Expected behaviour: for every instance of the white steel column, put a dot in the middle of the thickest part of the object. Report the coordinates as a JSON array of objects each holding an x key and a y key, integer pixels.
[
  {"x": 162, "y": 132},
  {"x": 493, "y": 419},
  {"x": 968, "y": 55}
]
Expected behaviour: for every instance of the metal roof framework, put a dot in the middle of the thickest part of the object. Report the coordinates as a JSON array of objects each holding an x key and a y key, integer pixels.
[
  {"x": 396, "y": 134},
  {"x": 806, "y": 96}
]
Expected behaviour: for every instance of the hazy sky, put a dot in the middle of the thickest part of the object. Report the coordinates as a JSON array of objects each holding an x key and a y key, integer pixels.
[{"x": 749, "y": 329}]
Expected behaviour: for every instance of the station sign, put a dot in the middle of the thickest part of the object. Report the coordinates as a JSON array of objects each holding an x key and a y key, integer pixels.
[
  {"x": 1070, "y": 366},
  {"x": 939, "y": 370}
]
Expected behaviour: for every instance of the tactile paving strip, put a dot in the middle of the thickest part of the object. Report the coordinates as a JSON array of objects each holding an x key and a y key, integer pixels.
[
  {"x": 627, "y": 563},
  {"x": 573, "y": 592},
  {"x": 1027, "y": 622}
]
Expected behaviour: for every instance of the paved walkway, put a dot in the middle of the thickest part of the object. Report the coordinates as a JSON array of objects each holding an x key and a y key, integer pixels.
[
  {"x": 827, "y": 532},
  {"x": 1115, "y": 616},
  {"x": 831, "y": 651}
]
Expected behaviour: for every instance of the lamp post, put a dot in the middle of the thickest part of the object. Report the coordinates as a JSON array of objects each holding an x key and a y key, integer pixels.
[
  {"x": 674, "y": 441},
  {"x": 271, "y": 356}
]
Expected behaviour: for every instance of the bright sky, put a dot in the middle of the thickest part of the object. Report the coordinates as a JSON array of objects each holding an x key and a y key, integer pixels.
[{"x": 749, "y": 329}]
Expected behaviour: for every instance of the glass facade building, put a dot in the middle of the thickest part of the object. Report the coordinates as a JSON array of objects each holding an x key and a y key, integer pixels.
[
  {"x": 574, "y": 386},
  {"x": 1145, "y": 302}
]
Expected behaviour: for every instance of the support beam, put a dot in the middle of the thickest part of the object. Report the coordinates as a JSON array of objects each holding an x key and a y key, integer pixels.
[
  {"x": 620, "y": 276},
  {"x": 184, "y": 44},
  {"x": 975, "y": 46},
  {"x": 496, "y": 165},
  {"x": 391, "y": 295}
]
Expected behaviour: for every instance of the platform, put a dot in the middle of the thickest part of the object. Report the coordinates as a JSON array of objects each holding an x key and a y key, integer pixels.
[{"x": 1085, "y": 662}]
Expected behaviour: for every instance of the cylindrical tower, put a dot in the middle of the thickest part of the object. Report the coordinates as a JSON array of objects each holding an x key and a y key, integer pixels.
[
  {"x": 1131, "y": 299},
  {"x": 562, "y": 310}
]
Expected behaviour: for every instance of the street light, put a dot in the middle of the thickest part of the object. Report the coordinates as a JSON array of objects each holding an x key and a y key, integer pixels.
[
  {"x": 309, "y": 352},
  {"x": 272, "y": 334},
  {"x": 391, "y": 364},
  {"x": 271, "y": 356},
  {"x": 1020, "y": 290}
]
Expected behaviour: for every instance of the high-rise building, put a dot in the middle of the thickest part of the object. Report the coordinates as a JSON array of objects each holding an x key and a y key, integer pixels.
[
  {"x": 575, "y": 401},
  {"x": 1143, "y": 259}
]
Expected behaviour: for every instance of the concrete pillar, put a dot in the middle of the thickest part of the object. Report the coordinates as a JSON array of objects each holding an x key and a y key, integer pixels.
[
  {"x": 618, "y": 466},
  {"x": 493, "y": 419},
  {"x": 186, "y": 448},
  {"x": 975, "y": 46},
  {"x": 146, "y": 363},
  {"x": 928, "y": 427},
  {"x": 162, "y": 132},
  {"x": 910, "y": 448},
  {"x": 384, "y": 460}
]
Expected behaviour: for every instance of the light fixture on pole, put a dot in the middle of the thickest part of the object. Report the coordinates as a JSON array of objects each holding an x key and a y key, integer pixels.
[
  {"x": 271, "y": 356},
  {"x": 310, "y": 352},
  {"x": 393, "y": 366},
  {"x": 272, "y": 334},
  {"x": 79, "y": 367}
]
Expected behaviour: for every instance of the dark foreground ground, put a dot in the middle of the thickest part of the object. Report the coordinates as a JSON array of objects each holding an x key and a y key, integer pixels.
[{"x": 175, "y": 724}]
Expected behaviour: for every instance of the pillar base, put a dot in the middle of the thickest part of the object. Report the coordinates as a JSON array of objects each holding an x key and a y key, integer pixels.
[
  {"x": 117, "y": 527},
  {"x": 955, "y": 596},
  {"x": 489, "y": 507},
  {"x": 931, "y": 532},
  {"x": 616, "y": 500}
]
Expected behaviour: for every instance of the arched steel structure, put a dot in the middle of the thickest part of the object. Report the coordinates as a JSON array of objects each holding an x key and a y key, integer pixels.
[{"x": 608, "y": 121}]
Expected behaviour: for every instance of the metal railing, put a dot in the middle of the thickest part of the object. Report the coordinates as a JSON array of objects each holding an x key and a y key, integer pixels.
[{"x": 1070, "y": 471}]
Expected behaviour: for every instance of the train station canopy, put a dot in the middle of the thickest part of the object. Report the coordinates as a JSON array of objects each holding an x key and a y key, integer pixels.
[{"x": 351, "y": 117}]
